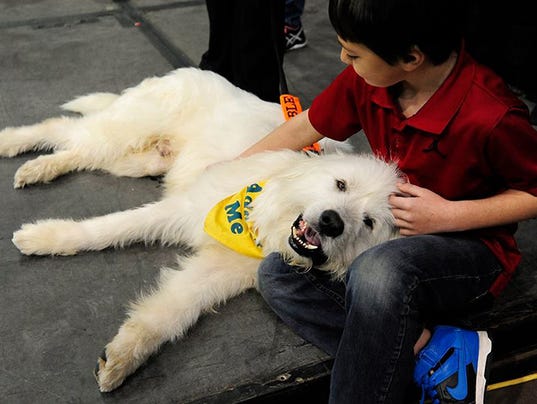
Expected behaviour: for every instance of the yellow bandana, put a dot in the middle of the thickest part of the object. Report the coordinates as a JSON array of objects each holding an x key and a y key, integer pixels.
[{"x": 228, "y": 222}]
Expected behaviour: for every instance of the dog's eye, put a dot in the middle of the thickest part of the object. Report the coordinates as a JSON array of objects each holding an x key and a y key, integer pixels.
[
  {"x": 341, "y": 185},
  {"x": 369, "y": 222}
]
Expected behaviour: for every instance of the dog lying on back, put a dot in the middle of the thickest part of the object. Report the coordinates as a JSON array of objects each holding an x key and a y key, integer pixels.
[{"x": 318, "y": 211}]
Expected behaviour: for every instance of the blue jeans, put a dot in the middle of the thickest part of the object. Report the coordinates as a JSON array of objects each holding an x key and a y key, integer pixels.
[
  {"x": 370, "y": 322},
  {"x": 293, "y": 12}
]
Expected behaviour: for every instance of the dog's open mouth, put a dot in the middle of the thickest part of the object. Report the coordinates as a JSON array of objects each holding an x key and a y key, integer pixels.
[{"x": 306, "y": 241}]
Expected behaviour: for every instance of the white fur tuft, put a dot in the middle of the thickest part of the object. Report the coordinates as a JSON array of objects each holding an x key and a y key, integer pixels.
[{"x": 90, "y": 103}]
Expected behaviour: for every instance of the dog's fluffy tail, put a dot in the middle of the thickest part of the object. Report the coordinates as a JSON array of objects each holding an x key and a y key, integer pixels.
[{"x": 88, "y": 104}]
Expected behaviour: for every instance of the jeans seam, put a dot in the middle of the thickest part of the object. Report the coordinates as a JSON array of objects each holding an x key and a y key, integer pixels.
[{"x": 493, "y": 273}]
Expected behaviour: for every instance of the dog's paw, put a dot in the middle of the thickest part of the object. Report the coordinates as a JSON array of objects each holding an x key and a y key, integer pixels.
[
  {"x": 35, "y": 171},
  {"x": 44, "y": 238},
  {"x": 108, "y": 373},
  {"x": 122, "y": 356},
  {"x": 8, "y": 146}
]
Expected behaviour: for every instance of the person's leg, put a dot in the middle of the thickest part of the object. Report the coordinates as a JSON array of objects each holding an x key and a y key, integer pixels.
[
  {"x": 258, "y": 47},
  {"x": 293, "y": 13},
  {"x": 392, "y": 289},
  {"x": 309, "y": 302},
  {"x": 295, "y": 37},
  {"x": 217, "y": 58}
]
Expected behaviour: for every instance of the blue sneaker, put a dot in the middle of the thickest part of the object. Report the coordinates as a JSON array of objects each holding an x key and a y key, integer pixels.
[{"x": 451, "y": 367}]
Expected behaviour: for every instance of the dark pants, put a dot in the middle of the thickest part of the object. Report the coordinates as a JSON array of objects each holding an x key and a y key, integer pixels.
[
  {"x": 293, "y": 13},
  {"x": 371, "y": 322},
  {"x": 246, "y": 44}
]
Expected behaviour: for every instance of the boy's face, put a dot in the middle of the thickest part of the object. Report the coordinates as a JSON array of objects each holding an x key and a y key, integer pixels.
[{"x": 369, "y": 66}]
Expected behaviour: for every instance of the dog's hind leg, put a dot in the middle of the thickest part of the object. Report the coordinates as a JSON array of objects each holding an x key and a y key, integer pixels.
[
  {"x": 148, "y": 224},
  {"x": 46, "y": 168},
  {"x": 100, "y": 141},
  {"x": 206, "y": 280},
  {"x": 41, "y": 136}
]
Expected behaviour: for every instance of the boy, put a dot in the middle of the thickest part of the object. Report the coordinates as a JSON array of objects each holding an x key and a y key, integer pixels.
[{"x": 466, "y": 145}]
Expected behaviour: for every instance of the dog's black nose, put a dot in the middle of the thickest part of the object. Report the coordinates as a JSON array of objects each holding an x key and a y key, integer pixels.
[{"x": 330, "y": 223}]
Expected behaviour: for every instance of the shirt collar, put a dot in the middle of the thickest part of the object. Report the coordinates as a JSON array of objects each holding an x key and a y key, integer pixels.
[{"x": 435, "y": 115}]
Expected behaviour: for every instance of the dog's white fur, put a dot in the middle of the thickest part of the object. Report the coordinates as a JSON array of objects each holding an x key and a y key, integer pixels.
[{"x": 179, "y": 125}]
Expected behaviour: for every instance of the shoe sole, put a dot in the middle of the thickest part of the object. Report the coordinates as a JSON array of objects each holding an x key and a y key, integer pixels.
[
  {"x": 485, "y": 347},
  {"x": 298, "y": 46}
]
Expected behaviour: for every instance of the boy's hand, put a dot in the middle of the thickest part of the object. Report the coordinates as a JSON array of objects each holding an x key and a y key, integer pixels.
[{"x": 420, "y": 211}]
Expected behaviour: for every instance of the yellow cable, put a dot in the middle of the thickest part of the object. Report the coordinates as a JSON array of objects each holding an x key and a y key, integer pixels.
[{"x": 513, "y": 382}]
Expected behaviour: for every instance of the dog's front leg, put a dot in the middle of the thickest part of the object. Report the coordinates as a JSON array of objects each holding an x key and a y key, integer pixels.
[
  {"x": 207, "y": 279},
  {"x": 66, "y": 237}
]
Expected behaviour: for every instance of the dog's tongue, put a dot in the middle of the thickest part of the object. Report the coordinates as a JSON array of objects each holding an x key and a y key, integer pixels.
[{"x": 312, "y": 236}]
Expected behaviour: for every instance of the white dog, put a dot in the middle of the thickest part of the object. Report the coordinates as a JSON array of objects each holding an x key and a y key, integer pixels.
[{"x": 314, "y": 210}]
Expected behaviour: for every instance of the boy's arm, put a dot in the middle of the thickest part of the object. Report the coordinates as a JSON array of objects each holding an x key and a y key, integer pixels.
[
  {"x": 293, "y": 134},
  {"x": 423, "y": 212}
]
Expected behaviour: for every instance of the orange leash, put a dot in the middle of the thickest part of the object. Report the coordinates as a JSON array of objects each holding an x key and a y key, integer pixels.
[{"x": 290, "y": 108}]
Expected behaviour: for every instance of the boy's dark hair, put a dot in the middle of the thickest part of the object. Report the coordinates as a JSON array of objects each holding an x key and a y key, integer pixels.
[{"x": 390, "y": 28}]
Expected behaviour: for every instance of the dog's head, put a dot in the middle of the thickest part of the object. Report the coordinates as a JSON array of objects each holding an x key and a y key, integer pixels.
[{"x": 336, "y": 206}]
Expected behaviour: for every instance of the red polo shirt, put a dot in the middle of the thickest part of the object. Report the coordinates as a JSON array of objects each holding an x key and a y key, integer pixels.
[{"x": 471, "y": 140}]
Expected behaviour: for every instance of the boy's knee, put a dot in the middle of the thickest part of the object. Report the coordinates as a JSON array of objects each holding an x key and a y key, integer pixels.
[{"x": 375, "y": 269}]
